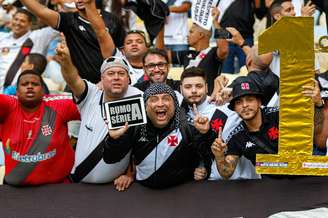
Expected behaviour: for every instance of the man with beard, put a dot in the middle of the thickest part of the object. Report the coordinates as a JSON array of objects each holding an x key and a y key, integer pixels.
[
  {"x": 156, "y": 66},
  {"x": 167, "y": 149},
  {"x": 222, "y": 119},
  {"x": 34, "y": 133},
  {"x": 80, "y": 36},
  {"x": 258, "y": 131}
]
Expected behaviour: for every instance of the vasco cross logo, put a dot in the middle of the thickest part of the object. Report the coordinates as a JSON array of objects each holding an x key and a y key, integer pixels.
[{"x": 46, "y": 130}]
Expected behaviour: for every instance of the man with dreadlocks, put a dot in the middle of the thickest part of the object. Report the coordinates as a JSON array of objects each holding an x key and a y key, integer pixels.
[{"x": 167, "y": 149}]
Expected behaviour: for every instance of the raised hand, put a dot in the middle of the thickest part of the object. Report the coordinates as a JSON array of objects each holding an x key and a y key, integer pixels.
[
  {"x": 220, "y": 84},
  {"x": 313, "y": 92},
  {"x": 308, "y": 9},
  {"x": 215, "y": 16},
  {"x": 117, "y": 133},
  {"x": 63, "y": 56},
  {"x": 201, "y": 123},
  {"x": 219, "y": 147},
  {"x": 236, "y": 36}
]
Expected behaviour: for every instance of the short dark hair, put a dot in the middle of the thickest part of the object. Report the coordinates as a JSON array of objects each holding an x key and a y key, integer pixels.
[
  {"x": 275, "y": 7},
  {"x": 25, "y": 72},
  {"x": 139, "y": 32},
  {"x": 39, "y": 62},
  {"x": 193, "y": 72},
  {"x": 26, "y": 12},
  {"x": 155, "y": 51}
]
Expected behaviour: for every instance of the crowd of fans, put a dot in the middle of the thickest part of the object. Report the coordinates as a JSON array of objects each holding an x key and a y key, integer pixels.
[{"x": 61, "y": 60}]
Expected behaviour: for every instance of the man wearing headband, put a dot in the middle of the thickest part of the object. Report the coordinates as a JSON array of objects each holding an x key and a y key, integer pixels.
[
  {"x": 167, "y": 149},
  {"x": 34, "y": 133},
  {"x": 93, "y": 130}
]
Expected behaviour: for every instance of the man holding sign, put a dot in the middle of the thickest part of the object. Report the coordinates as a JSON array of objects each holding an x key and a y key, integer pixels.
[
  {"x": 167, "y": 149},
  {"x": 115, "y": 81},
  {"x": 258, "y": 132}
]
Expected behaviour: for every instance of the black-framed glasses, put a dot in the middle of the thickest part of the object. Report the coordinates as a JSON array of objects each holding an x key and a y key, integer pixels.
[{"x": 160, "y": 65}]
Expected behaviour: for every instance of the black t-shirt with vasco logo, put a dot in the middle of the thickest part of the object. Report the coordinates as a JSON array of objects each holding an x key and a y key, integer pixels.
[
  {"x": 265, "y": 141},
  {"x": 83, "y": 44}
]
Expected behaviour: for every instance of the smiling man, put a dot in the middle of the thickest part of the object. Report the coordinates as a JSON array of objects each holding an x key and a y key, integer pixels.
[
  {"x": 258, "y": 132},
  {"x": 34, "y": 133},
  {"x": 156, "y": 66},
  {"x": 167, "y": 149},
  {"x": 222, "y": 119},
  {"x": 115, "y": 82},
  {"x": 17, "y": 44}
]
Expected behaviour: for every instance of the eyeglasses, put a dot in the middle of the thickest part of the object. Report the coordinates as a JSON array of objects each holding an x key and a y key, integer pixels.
[{"x": 160, "y": 65}]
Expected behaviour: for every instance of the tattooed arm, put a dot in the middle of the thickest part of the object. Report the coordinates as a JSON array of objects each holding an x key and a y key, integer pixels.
[{"x": 226, "y": 164}]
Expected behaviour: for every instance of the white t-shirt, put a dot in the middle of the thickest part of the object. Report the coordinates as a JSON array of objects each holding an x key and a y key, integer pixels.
[
  {"x": 9, "y": 47},
  {"x": 136, "y": 74},
  {"x": 176, "y": 27},
  {"x": 92, "y": 131}
]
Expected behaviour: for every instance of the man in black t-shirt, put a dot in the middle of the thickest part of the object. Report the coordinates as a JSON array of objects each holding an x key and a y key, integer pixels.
[
  {"x": 205, "y": 57},
  {"x": 258, "y": 131},
  {"x": 80, "y": 37}
]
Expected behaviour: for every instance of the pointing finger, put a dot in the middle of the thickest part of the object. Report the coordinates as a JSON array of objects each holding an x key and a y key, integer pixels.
[
  {"x": 220, "y": 133},
  {"x": 194, "y": 109}
]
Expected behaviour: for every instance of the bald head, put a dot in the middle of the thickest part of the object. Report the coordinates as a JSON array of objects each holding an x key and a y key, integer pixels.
[
  {"x": 200, "y": 29},
  {"x": 254, "y": 61}
]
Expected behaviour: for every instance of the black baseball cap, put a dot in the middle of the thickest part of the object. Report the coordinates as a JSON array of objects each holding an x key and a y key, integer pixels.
[{"x": 243, "y": 86}]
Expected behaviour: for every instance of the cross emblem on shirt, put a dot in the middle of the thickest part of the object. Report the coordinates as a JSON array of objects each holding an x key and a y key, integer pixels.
[
  {"x": 273, "y": 133},
  {"x": 46, "y": 130},
  {"x": 172, "y": 140}
]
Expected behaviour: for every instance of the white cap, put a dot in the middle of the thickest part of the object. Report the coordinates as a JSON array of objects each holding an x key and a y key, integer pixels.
[{"x": 114, "y": 62}]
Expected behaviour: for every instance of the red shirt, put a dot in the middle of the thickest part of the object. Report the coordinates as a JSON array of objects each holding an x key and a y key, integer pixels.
[{"x": 20, "y": 128}]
